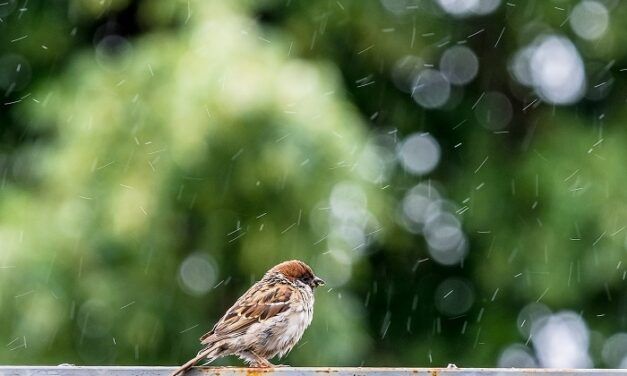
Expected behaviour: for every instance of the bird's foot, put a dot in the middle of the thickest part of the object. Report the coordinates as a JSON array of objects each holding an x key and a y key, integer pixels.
[
  {"x": 254, "y": 360},
  {"x": 260, "y": 362},
  {"x": 261, "y": 365}
]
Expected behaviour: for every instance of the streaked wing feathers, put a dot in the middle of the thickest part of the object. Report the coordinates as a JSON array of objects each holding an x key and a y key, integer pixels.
[{"x": 261, "y": 302}]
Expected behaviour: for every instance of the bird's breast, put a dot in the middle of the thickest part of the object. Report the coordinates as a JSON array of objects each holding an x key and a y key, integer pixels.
[{"x": 294, "y": 324}]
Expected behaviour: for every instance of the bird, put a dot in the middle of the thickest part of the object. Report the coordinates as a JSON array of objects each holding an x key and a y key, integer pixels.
[{"x": 266, "y": 321}]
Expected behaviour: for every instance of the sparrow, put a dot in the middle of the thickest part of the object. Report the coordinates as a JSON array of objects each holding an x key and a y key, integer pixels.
[{"x": 268, "y": 320}]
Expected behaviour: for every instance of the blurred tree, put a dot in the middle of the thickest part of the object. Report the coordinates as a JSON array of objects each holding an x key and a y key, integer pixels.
[{"x": 179, "y": 164}]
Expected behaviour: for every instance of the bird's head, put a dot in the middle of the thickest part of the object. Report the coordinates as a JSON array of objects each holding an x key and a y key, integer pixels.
[{"x": 298, "y": 271}]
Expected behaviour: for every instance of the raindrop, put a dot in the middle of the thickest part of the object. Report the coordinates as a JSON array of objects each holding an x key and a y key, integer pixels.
[{"x": 601, "y": 81}]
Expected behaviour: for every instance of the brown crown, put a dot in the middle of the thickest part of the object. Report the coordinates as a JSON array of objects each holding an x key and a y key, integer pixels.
[{"x": 293, "y": 269}]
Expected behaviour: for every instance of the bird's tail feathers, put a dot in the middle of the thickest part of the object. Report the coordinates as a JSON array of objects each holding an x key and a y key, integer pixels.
[{"x": 210, "y": 352}]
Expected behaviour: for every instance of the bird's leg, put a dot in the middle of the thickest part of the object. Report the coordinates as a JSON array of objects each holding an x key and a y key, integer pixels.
[{"x": 259, "y": 362}]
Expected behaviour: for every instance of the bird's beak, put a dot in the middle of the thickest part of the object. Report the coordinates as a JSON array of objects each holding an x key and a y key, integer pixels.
[{"x": 318, "y": 282}]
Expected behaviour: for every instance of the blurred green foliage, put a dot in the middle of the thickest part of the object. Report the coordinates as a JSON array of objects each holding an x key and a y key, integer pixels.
[{"x": 157, "y": 157}]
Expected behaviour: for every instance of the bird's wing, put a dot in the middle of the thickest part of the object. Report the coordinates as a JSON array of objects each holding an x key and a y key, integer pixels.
[{"x": 260, "y": 303}]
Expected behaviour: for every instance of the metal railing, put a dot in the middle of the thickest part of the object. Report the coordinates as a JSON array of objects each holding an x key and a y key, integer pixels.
[{"x": 297, "y": 371}]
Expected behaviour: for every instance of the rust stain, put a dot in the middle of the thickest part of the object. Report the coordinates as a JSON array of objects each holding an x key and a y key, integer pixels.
[
  {"x": 257, "y": 371},
  {"x": 220, "y": 371},
  {"x": 253, "y": 372},
  {"x": 434, "y": 372}
]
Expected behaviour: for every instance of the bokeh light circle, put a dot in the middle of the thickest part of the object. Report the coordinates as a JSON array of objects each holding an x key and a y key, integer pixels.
[
  {"x": 458, "y": 7},
  {"x": 15, "y": 72},
  {"x": 517, "y": 356},
  {"x": 530, "y": 314},
  {"x": 336, "y": 267},
  {"x": 375, "y": 163},
  {"x": 197, "y": 273},
  {"x": 417, "y": 202},
  {"x": 561, "y": 341},
  {"x": 113, "y": 52},
  {"x": 464, "y": 8},
  {"x": 447, "y": 243},
  {"x": 486, "y": 6},
  {"x": 405, "y": 70},
  {"x": 431, "y": 89},
  {"x": 454, "y": 296},
  {"x": 419, "y": 153},
  {"x": 589, "y": 19},
  {"x": 7, "y": 7},
  {"x": 348, "y": 201},
  {"x": 494, "y": 111},
  {"x": 615, "y": 351},
  {"x": 459, "y": 64},
  {"x": 557, "y": 71},
  {"x": 520, "y": 66}
]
